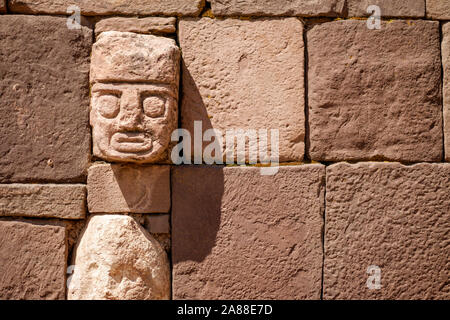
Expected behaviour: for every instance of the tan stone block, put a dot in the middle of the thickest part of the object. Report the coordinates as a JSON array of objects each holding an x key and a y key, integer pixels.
[
  {"x": 117, "y": 259},
  {"x": 438, "y": 9},
  {"x": 134, "y": 105},
  {"x": 32, "y": 261},
  {"x": 375, "y": 94},
  {"x": 307, "y": 8},
  {"x": 239, "y": 235},
  {"x": 110, "y": 7},
  {"x": 128, "y": 189},
  {"x": 47, "y": 200},
  {"x": 389, "y": 8},
  {"x": 391, "y": 216},
  {"x": 240, "y": 74},
  {"x": 151, "y": 25}
]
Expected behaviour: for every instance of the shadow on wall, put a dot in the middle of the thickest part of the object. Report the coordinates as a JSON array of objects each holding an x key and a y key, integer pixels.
[
  {"x": 197, "y": 190},
  {"x": 196, "y": 208}
]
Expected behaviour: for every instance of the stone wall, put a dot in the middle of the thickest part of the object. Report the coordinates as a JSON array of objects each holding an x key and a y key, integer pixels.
[{"x": 97, "y": 202}]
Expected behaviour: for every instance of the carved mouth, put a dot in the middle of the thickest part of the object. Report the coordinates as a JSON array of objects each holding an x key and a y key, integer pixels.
[{"x": 131, "y": 142}]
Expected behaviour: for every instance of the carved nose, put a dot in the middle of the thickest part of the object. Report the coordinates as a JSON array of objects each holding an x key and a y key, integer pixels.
[{"x": 130, "y": 112}]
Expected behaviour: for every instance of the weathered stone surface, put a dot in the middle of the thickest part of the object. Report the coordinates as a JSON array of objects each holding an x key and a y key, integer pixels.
[
  {"x": 329, "y": 8},
  {"x": 446, "y": 64},
  {"x": 44, "y": 90},
  {"x": 438, "y": 9},
  {"x": 241, "y": 74},
  {"x": 131, "y": 57},
  {"x": 375, "y": 94},
  {"x": 158, "y": 223},
  {"x": 32, "y": 261},
  {"x": 110, "y": 7},
  {"x": 389, "y": 8},
  {"x": 239, "y": 235},
  {"x": 47, "y": 200},
  {"x": 134, "y": 107},
  {"x": 116, "y": 259},
  {"x": 151, "y": 25},
  {"x": 128, "y": 189},
  {"x": 392, "y": 216}
]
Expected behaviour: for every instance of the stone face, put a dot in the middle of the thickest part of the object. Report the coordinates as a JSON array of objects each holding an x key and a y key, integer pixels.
[
  {"x": 110, "y": 7},
  {"x": 241, "y": 74},
  {"x": 329, "y": 8},
  {"x": 32, "y": 261},
  {"x": 375, "y": 94},
  {"x": 50, "y": 201},
  {"x": 151, "y": 25},
  {"x": 239, "y": 235},
  {"x": 446, "y": 65},
  {"x": 438, "y": 9},
  {"x": 134, "y": 106},
  {"x": 44, "y": 89},
  {"x": 128, "y": 189},
  {"x": 389, "y": 8},
  {"x": 116, "y": 259},
  {"x": 392, "y": 216},
  {"x": 2, "y": 6}
]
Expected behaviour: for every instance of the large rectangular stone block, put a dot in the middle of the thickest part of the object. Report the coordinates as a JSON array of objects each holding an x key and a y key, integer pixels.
[
  {"x": 375, "y": 94},
  {"x": 239, "y": 235},
  {"x": 46, "y": 200},
  {"x": 32, "y": 261},
  {"x": 306, "y": 8},
  {"x": 446, "y": 65},
  {"x": 44, "y": 90},
  {"x": 438, "y": 9},
  {"x": 110, "y": 7},
  {"x": 394, "y": 218},
  {"x": 389, "y": 8},
  {"x": 240, "y": 74},
  {"x": 115, "y": 188}
]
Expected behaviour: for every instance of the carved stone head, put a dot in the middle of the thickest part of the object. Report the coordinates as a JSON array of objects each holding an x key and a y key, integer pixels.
[{"x": 134, "y": 96}]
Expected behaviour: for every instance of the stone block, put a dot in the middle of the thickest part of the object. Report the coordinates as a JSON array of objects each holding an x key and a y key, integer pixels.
[
  {"x": 391, "y": 216},
  {"x": 239, "y": 235},
  {"x": 375, "y": 94}
]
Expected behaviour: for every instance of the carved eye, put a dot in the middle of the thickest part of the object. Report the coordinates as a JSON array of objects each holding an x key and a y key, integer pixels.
[
  {"x": 108, "y": 105},
  {"x": 154, "y": 106}
]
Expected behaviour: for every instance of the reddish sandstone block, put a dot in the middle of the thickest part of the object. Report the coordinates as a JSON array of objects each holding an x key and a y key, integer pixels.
[
  {"x": 44, "y": 90},
  {"x": 446, "y": 64},
  {"x": 438, "y": 9},
  {"x": 239, "y": 235},
  {"x": 32, "y": 261},
  {"x": 150, "y": 25},
  {"x": 110, "y": 7},
  {"x": 375, "y": 94},
  {"x": 392, "y": 216},
  {"x": 389, "y": 8},
  {"x": 43, "y": 200},
  {"x": 245, "y": 75},
  {"x": 329, "y": 8},
  {"x": 128, "y": 189}
]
